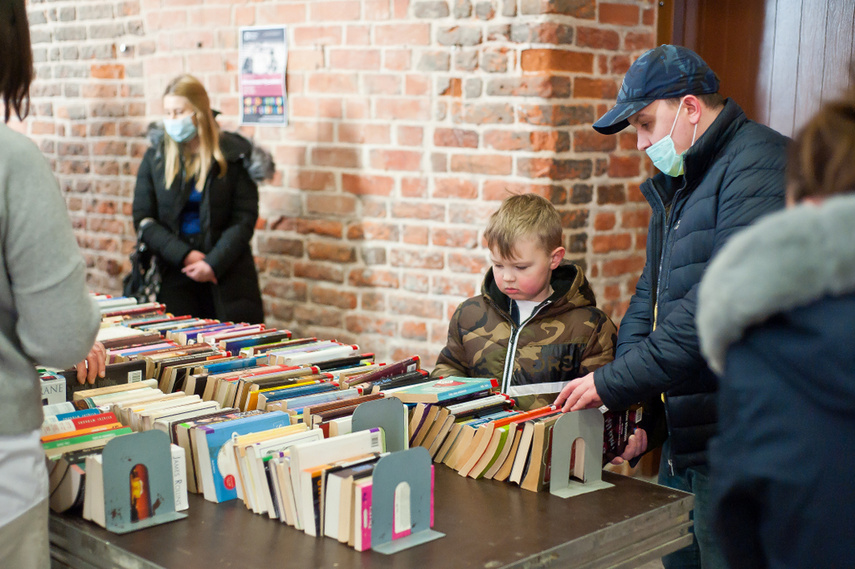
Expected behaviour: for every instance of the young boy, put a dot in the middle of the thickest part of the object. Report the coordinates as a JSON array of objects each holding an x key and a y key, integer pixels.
[{"x": 535, "y": 325}]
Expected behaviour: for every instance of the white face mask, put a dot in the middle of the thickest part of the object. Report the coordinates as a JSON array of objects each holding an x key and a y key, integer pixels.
[
  {"x": 664, "y": 155},
  {"x": 180, "y": 130}
]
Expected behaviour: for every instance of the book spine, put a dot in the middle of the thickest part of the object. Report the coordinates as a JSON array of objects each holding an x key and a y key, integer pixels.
[
  {"x": 363, "y": 543},
  {"x": 317, "y": 487},
  {"x": 179, "y": 478},
  {"x": 74, "y": 424},
  {"x": 83, "y": 439},
  {"x": 467, "y": 389},
  {"x": 81, "y": 432},
  {"x": 81, "y": 412}
]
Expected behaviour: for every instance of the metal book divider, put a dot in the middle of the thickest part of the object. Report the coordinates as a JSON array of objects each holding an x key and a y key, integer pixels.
[
  {"x": 402, "y": 480},
  {"x": 586, "y": 425}
]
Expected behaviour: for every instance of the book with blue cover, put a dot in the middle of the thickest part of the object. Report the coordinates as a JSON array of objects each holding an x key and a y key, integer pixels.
[
  {"x": 222, "y": 367},
  {"x": 216, "y": 469},
  {"x": 444, "y": 389}
]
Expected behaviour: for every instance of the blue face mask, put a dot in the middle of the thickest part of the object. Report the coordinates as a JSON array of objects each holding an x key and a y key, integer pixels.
[
  {"x": 180, "y": 130},
  {"x": 664, "y": 155}
]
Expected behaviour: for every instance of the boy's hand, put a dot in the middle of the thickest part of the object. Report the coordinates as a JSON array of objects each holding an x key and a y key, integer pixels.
[
  {"x": 579, "y": 394},
  {"x": 636, "y": 445}
]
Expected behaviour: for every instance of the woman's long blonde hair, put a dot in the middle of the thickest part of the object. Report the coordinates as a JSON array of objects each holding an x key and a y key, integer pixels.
[{"x": 208, "y": 132}]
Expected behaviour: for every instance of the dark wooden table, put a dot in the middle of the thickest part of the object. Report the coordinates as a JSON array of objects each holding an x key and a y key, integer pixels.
[{"x": 488, "y": 525}]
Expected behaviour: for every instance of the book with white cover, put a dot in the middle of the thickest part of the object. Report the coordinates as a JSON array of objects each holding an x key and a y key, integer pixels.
[
  {"x": 311, "y": 455},
  {"x": 255, "y": 455},
  {"x": 165, "y": 423},
  {"x": 93, "y": 502},
  {"x": 234, "y": 452},
  {"x": 318, "y": 356}
]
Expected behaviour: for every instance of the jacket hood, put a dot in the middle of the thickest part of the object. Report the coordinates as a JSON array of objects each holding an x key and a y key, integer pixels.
[
  {"x": 257, "y": 161},
  {"x": 570, "y": 289},
  {"x": 786, "y": 260}
]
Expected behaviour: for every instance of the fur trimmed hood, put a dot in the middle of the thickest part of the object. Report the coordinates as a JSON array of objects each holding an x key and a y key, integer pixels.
[
  {"x": 786, "y": 260},
  {"x": 257, "y": 161}
]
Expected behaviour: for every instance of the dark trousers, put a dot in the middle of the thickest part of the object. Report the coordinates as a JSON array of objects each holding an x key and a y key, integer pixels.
[{"x": 705, "y": 551}]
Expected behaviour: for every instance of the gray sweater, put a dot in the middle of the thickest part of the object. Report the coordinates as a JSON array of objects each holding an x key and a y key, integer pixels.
[{"x": 46, "y": 316}]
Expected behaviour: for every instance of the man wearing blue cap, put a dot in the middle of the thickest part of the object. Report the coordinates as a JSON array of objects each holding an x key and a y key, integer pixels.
[{"x": 719, "y": 171}]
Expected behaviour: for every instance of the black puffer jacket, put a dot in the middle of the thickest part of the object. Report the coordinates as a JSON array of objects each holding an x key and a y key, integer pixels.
[
  {"x": 228, "y": 212},
  {"x": 734, "y": 174}
]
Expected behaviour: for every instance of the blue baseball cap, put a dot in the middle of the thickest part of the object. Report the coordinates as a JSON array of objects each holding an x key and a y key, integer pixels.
[{"x": 664, "y": 72}]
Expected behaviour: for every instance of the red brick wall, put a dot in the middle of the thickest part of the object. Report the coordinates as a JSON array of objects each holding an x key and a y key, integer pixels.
[{"x": 410, "y": 121}]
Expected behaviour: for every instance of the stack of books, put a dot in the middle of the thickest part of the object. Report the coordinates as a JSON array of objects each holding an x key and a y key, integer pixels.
[{"x": 251, "y": 413}]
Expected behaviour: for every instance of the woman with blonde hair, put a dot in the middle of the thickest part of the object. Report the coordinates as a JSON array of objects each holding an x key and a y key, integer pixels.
[{"x": 195, "y": 206}]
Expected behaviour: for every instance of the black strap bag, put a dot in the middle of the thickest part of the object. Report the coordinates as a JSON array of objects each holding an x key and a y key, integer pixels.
[{"x": 143, "y": 282}]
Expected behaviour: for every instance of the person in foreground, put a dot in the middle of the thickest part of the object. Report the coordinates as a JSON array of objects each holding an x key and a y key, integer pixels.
[
  {"x": 719, "y": 172},
  {"x": 46, "y": 314},
  {"x": 196, "y": 204},
  {"x": 536, "y": 322},
  {"x": 775, "y": 316}
]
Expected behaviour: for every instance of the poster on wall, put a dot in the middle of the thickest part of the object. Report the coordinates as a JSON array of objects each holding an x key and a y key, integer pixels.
[{"x": 262, "y": 57}]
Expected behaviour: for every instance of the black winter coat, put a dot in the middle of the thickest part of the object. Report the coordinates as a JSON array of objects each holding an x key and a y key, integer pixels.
[
  {"x": 228, "y": 213},
  {"x": 734, "y": 173}
]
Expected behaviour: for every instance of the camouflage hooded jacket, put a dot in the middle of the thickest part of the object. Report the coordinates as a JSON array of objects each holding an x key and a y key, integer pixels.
[{"x": 566, "y": 337}]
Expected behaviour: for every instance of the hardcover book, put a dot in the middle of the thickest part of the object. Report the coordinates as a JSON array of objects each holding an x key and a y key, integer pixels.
[
  {"x": 411, "y": 363},
  {"x": 115, "y": 374}
]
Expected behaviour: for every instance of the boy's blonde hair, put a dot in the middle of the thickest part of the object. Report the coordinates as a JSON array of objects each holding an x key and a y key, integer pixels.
[{"x": 520, "y": 216}]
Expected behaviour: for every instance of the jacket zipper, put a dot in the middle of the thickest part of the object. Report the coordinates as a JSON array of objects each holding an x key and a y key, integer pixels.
[
  {"x": 507, "y": 372},
  {"x": 669, "y": 216}
]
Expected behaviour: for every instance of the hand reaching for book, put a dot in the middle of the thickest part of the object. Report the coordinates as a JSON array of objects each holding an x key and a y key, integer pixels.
[
  {"x": 94, "y": 365},
  {"x": 635, "y": 446},
  {"x": 581, "y": 393}
]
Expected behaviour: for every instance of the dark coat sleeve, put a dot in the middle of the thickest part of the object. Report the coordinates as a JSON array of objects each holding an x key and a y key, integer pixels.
[
  {"x": 635, "y": 324},
  {"x": 670, "y": 355},
  {"x": 240, "y": 218},
  {"x": 163, "y": 242}
]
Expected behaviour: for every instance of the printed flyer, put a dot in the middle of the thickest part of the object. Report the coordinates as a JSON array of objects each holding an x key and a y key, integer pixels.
[{"x": 262, "y": 56}]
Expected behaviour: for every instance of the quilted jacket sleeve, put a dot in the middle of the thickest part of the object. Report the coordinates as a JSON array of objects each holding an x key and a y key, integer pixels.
[
  {"x": 635, "y": 324},
  {"x": 671, "y": 355}
]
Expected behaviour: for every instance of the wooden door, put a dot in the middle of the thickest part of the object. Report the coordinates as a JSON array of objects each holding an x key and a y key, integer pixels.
[{"x": 779, "y": 59}]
